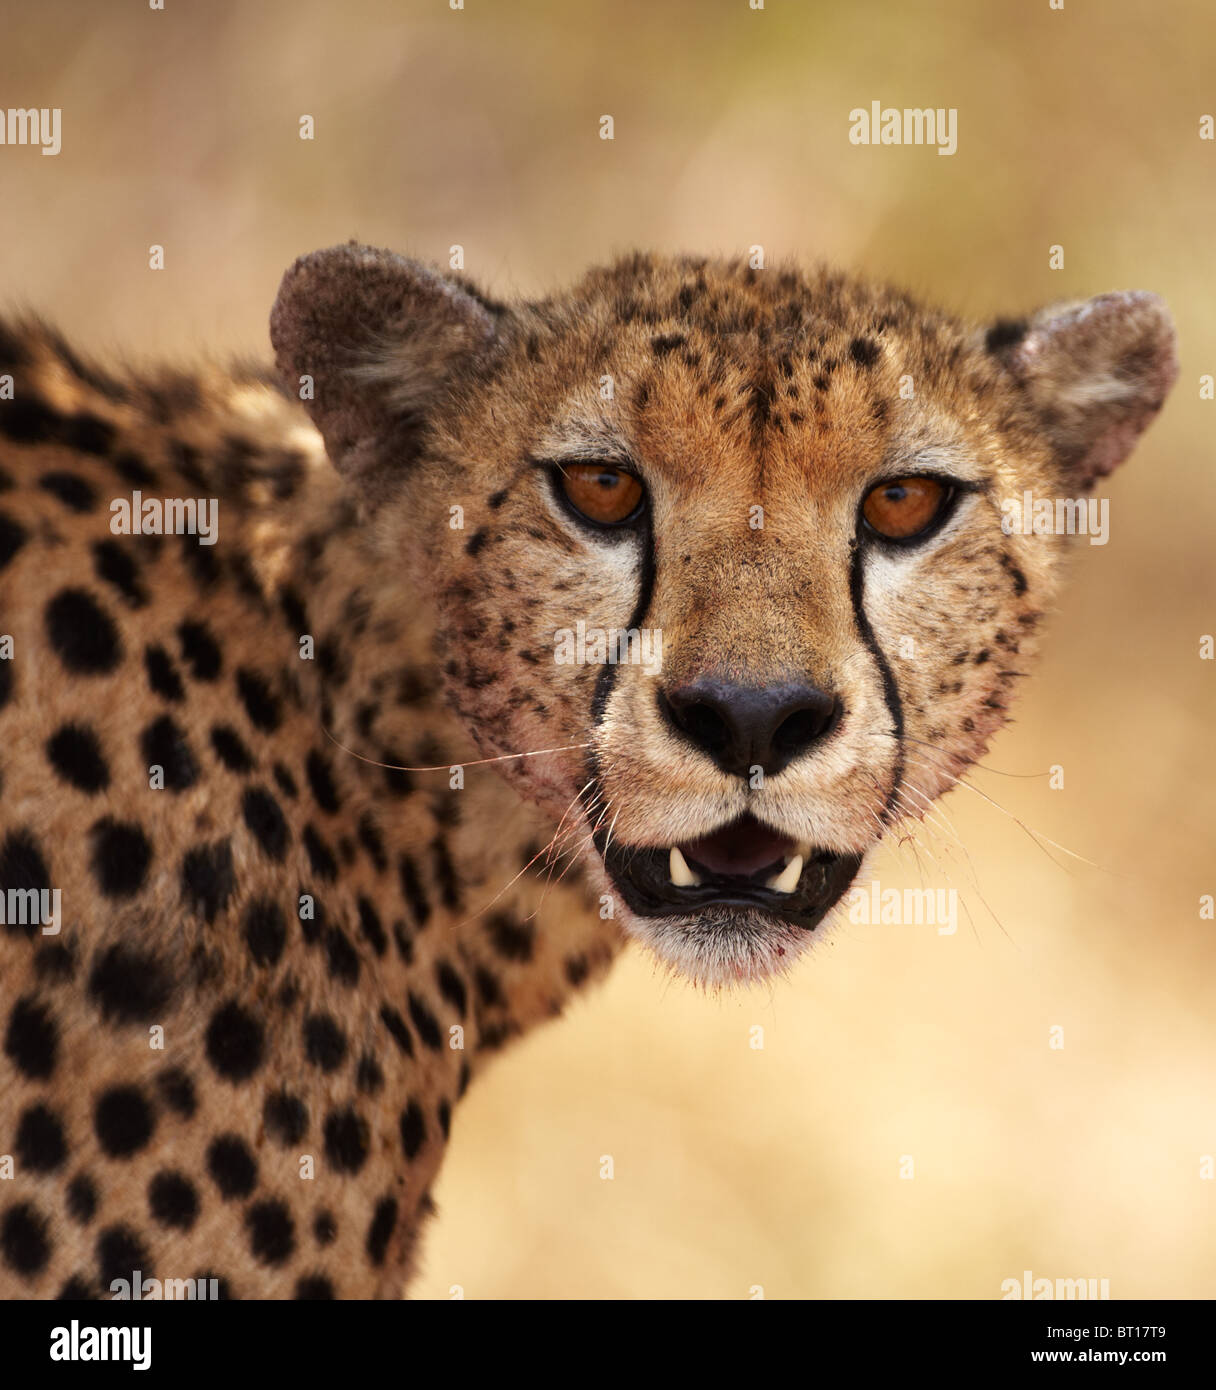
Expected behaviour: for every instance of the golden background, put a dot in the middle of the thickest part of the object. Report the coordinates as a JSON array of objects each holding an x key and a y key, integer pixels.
[{"x": 737, "y": 1167}]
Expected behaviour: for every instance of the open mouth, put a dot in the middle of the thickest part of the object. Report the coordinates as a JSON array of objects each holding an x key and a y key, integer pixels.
[{"x": 744, "y": 864}]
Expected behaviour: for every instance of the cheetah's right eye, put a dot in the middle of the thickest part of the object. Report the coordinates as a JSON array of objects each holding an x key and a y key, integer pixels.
[{"x": 601, "y": 493}]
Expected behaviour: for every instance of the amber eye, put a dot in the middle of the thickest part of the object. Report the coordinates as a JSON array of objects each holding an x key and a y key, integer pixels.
[
  {"x": 904, "y": 507},
  {"x": 600, "y": 492}
]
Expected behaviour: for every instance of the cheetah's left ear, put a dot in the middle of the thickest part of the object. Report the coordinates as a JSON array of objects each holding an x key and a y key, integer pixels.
[
  {"x": 370, "y": 341},
  {"x": 1095, "y": 374}
]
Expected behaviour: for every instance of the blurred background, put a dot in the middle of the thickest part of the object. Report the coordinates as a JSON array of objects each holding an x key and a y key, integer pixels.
[{"x": 780, "y": 1167}]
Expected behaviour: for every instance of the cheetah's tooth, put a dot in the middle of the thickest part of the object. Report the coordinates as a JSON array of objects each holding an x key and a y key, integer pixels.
[
  {"x": 787, "y": 880},
  {"x": 679, "y": 872}
]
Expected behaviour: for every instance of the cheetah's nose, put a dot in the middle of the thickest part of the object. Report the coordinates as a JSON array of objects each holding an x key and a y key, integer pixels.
[{"x": 742, "y": 726}]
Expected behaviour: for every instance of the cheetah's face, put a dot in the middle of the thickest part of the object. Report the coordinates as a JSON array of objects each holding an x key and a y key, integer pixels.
[{"x": 732, "y": 542}]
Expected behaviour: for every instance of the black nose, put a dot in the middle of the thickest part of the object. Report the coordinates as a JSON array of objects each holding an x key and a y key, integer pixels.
[{"x": 742, "y": 726}]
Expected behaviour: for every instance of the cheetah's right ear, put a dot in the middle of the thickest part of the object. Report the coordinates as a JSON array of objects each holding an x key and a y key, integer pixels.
[
  {"x": 369, "y": 340},
  {"x": 1095, "y": 373}
]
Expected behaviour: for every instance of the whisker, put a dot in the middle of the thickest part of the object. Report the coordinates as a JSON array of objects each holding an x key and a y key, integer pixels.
[{"x": 446, "y": 767}]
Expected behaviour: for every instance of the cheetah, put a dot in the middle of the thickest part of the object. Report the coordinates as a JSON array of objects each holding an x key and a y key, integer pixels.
[{"x": 304, "y": 816}]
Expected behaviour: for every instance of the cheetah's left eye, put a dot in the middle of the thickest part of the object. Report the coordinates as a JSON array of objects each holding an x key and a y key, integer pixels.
[
  {"x": 903, "y": 508},
  {"x": 601, "y": 493}
]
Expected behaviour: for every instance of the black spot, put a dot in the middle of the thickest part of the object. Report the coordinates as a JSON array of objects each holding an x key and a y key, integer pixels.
[
  {"x": 577, "y": 970},
  {"x": 163, "y": 744},
  {"x": 82, "y": 1199},
  {"x": 512, "y": 940},
  {"x": 23, "y": 1238},
  {"x": 261, "y": 703},
  {"x": 864, "y": 351},
  {"x": 287, "y": 783},
  {"x": 666, "y": 343},
  {"x": 114, "y": 564},
  {"x": 396, "y": 1026},
  {"x": 321, "y": 780},
  {"x": 23, "y": 870},
  {"x": 265, "y": 930},
  {"x": 426, "y": 1024},
  {"x": 411, "y": 888},
  {"x": 445, "y": 874},
  {"x": 120, "y": 857},
  {"x": 177, "y": 1091},
  {"x": 71, "y": 489},
  {"x": 285, "y": 1117},
  {"x": 231, "y": 1165},
  {"x": 369, "y": 1077},
  {"x": 75, "y": 754},
  {"x": 200, "y": 560},
  {"x": 1005, "y": 333},
  {"x": 325, "y": 1228},
  {"x": 41, "y": 1146},
  {"x": 119, "y": 1255},
  {"x": 413, "y": 1129},
  {"x": 76, "y": 1290},
  {"x": 199, "y": 651},
  {"x": 54, "y": 962},
  {"x": 396, "y": 778},
  {"x": 331, "y": 661},
  {"x": 12, "y": 537},
  {"x": 6, "y": 682},
  {"x": 371, "y": 928},
  {"x": 271, "y": 1232},
  {"x": 320, "y": 856},
  {"x": 123, "y": 1121},
  {"x": 476, "y": 541},
  {"x": 379, "y": 1233},
  {"x": 230, "y": 750},
  {"x": 162, "y": 674},
  {"x": 496, "y": 499},
  {"x": 444, "y": 1113},
  {"x": 1014, "y": 572},
  {"x": 324, "y": 1042},
  {"x": 132, "y": 469},
  {"x": 404, "y": 943},
  {"x": 266, "y": 821},
  {"x": 235, "y": 1042},
  {"x": 31, "y": 1041},
  {"x": 82, "y": 633},
  {"x": 128, "y": 985},
  {"x": 489, "y": 990},
  {"x": 346, "y": 1140},
  {"x": 208, "y": 878},
  {"x": 314, "y": 1286},
  {"x": 452, "y": 987},
  {"x": 342, "y": 957},
  {"x": 173, "y": 1200},
  {"x": 369, "y": 838}
]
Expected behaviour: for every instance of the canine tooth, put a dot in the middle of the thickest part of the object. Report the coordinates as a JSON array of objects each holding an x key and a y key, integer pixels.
[
  {"x": 787, "y": 880},
  {"x": 677, "y": 868}
]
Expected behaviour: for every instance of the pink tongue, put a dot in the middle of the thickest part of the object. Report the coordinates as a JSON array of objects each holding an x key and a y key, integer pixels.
[{"x": 739, "y": 849}]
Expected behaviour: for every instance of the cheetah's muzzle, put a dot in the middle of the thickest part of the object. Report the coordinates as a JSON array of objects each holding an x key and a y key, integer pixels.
[{"x": 744, "y": 864}]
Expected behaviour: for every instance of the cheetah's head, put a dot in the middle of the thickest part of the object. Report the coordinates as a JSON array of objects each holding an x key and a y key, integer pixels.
[{"x": 745, "y": 545}]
